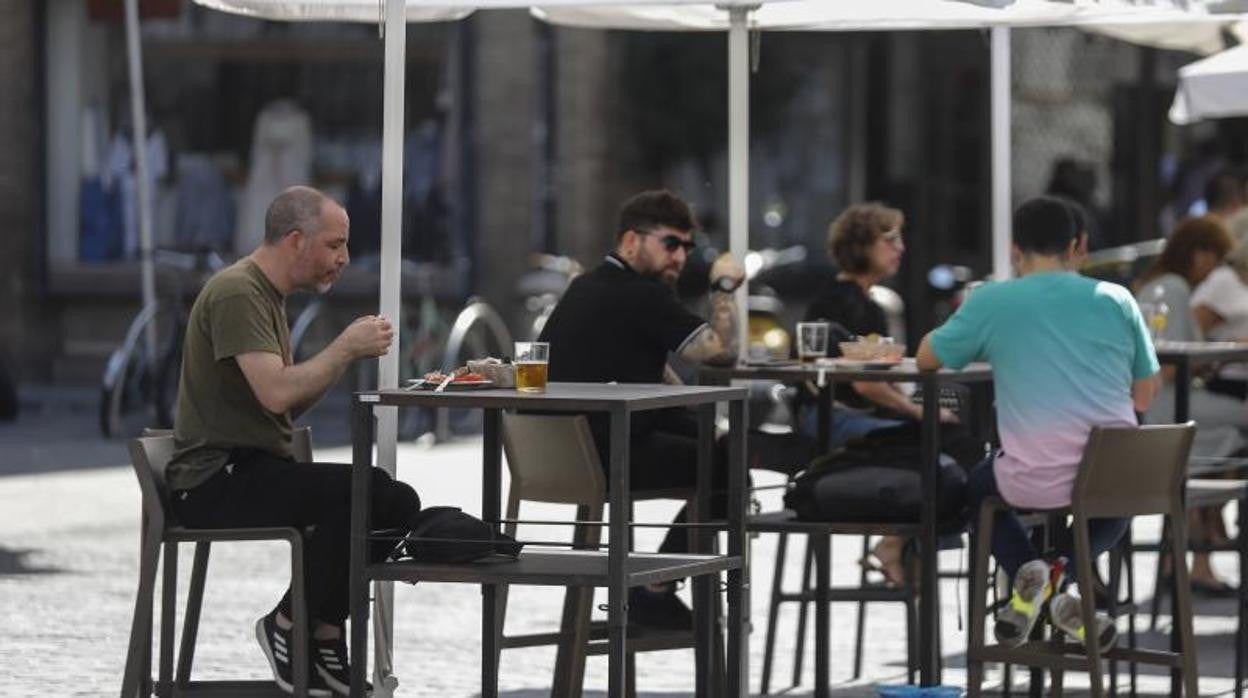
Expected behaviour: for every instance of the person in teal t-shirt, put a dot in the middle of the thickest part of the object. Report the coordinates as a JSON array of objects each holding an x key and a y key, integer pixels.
[{"x": 1068, "y": 353}]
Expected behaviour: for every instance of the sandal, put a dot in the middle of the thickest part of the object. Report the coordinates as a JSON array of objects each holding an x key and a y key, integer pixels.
[{"x": 894, "y": 573}]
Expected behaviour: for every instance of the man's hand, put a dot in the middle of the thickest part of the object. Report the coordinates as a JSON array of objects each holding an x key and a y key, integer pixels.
[
  {"x": 367, "y": 337},
  {"x": 726, "y": 266}
]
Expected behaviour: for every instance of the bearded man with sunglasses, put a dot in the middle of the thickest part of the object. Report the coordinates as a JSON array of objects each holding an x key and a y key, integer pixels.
[{"x": 619, "y": 323}]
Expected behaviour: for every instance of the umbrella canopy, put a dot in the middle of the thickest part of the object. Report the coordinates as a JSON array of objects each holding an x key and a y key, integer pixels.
[
  {"x": 414, "y": 10},
  {"x": 879, "y": 15},
  {"x": 1144, "y": 23},
  {"x": 1212, "y": 88}
]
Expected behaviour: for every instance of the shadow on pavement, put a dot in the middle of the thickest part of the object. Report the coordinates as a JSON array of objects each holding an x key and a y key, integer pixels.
[{"x": 13, "y": 562}]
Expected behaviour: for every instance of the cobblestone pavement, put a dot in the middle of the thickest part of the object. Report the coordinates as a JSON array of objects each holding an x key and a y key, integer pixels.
[{"x": 68, "y": 571}]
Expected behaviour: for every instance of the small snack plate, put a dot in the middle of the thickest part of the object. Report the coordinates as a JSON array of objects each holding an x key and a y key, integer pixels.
[
  {"x": 422, "y": 384},
  {"x": 771, "y": 363}
]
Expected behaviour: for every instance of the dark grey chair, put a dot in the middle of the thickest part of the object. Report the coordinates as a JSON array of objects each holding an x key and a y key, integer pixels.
[
  {"x": 150, "y": 456},
  {"x": 818, "y": 590},
  {"x": 1125, "y": 472},
  {"x": 552, "y": 459}
]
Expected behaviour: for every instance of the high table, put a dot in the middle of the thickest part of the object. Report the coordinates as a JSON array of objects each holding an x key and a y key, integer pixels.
[
  {"x": 825, "y": 376},
  {"x": 1185, "y": 356},
  {"x": 617, "y": 569}
]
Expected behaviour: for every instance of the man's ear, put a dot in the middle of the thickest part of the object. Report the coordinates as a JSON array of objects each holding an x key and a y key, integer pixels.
[
  {"x": 1077, "y": 251},
  {"x": 628, "y": 244},
  {"x": 294, "y": 240}
]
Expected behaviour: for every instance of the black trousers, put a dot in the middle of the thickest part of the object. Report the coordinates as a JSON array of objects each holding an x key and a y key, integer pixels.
[
  {"x": 259, "y": 489},
  {"x": 663, "y": 454}
]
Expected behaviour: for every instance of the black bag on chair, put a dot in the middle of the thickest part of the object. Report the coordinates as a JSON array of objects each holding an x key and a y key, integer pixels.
[
  {"x": 874, "y": 479},
  {"x": 447, "y": 534}
]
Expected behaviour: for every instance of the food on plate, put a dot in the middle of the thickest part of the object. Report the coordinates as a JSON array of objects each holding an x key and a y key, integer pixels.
[{"x": 873, "y": 347}]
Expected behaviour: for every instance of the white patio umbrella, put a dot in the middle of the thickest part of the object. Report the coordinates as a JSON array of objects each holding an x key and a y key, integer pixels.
[
  {"x": 1212, "y": 88},
  {"x": 1147, "y": 24}
]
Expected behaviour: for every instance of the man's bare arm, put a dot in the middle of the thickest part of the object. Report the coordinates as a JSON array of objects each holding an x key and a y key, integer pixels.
[
  {"x": 716, "y": 344},
  {"x": 926, "y": 358},
  {"x": 295, "y": 389},
  {"x": 670, "y": 376},
  {"x": 1144, "y": 390}
]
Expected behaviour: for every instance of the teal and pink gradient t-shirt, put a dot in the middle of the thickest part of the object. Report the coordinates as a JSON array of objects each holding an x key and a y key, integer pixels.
[{"x": 1065, "y": 351}]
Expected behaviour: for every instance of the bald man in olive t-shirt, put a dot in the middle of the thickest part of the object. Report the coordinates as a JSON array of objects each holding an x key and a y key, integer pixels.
[{"x": 238, "y": 392}]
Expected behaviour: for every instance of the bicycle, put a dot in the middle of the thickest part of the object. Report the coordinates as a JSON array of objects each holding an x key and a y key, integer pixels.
[{"x": 139, "y": 390}]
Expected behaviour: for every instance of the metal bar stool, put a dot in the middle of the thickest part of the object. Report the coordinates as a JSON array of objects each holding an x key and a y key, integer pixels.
[
  {"x": 1125, "y": 472},
  {"x": 150, "y": 456}
]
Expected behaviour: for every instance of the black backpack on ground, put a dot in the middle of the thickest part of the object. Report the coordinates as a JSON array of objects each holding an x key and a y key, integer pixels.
[
  {"x": 447, "y": 534},
  {"x": 875, "y": 479}
]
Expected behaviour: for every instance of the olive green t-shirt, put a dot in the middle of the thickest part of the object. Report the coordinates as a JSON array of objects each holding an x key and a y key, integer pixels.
[{"x": 237, "y": 312}]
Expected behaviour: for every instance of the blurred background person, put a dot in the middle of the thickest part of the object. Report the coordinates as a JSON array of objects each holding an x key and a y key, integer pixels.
[{"x": 1195, "y": 249}]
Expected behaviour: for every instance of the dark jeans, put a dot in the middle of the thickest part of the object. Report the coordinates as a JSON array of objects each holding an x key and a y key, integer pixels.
[
  {"x": 260, "y": 489},
  {"x": 1011, "y": 543}
]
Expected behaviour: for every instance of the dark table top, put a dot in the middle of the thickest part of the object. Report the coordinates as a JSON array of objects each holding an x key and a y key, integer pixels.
[
  {"x": 584, "y": 397},
  {"x": 1201, "y": 352},
  {"x": 904, "y": 372}
]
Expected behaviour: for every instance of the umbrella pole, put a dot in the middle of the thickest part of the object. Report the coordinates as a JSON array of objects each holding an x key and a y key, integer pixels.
[
  {"x": 1000, "y": 88},
  {"x": 739, "y": 154},
  {"x": 138, "y": 119},
  {"x": 395, "y": 30}
]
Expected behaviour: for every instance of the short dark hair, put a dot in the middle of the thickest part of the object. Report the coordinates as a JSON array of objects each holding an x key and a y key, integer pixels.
[
  {"x": 296, "y": 208},
  {"x": 852, "y": 234},
  {"x": 1226, "y": 187},
  {"x": 651, "y": 209},
  {"x": 1047, "y": 224}
]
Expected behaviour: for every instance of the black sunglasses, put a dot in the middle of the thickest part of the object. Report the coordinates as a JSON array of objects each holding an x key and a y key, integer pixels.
[{"x": 672, "y": 242}]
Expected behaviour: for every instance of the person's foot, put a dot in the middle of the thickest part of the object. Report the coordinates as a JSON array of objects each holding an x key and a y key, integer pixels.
[
  {"x": 275, "y": 642},
  {"x": 1066, "y": 612},
  {"x": 660, "y": 610},
  {"x": 329, "y": 661},
  {"x": 1031, "y": 589},
  {"x": 889, "y": 559}
]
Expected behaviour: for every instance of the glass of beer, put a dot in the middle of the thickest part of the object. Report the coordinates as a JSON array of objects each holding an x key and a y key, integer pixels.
[
  {"x": 812, "y": 340},
  {"x": 531, "y": 361}
]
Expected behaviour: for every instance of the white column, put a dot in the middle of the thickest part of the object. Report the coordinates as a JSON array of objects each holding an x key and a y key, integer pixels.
[
  {"x": 138, "y": 120},
  {"x": 739, "y": 153},
  {"x": 391, "y": 256},
  {"x": 63, "y": 53},
  {"x": 1001, "y": 151}
]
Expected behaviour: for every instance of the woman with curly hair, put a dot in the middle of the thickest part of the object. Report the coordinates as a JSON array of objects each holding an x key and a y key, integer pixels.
[
  {"x": 1194, "y": 254},
  {"x": 866, "y": 245}
]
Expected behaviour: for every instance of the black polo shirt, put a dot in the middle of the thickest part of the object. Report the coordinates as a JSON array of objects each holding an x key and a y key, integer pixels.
[{"x": 614, "y": 324}]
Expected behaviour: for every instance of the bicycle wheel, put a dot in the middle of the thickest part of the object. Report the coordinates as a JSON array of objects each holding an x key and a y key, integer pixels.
[{"x": 125, "y": 404}]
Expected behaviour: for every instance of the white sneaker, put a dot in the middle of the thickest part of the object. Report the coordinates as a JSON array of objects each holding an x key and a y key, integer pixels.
[
  {"x": 1066, "y": 612},
  {"x": 1031, "y": 588}
]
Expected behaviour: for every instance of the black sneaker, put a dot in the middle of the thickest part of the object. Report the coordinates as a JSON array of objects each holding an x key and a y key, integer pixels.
[
  {"x": 329, "y": 659},
  {"x": 276, "y": 645},
  {"x": 660, "y": 610}
]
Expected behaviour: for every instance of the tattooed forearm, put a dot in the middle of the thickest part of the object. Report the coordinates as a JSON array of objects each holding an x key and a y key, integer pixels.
[
  {"x": 716, "y": 343},
  {"x": 670, "y": 376},
  {"x": 724, "y": 321}
]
